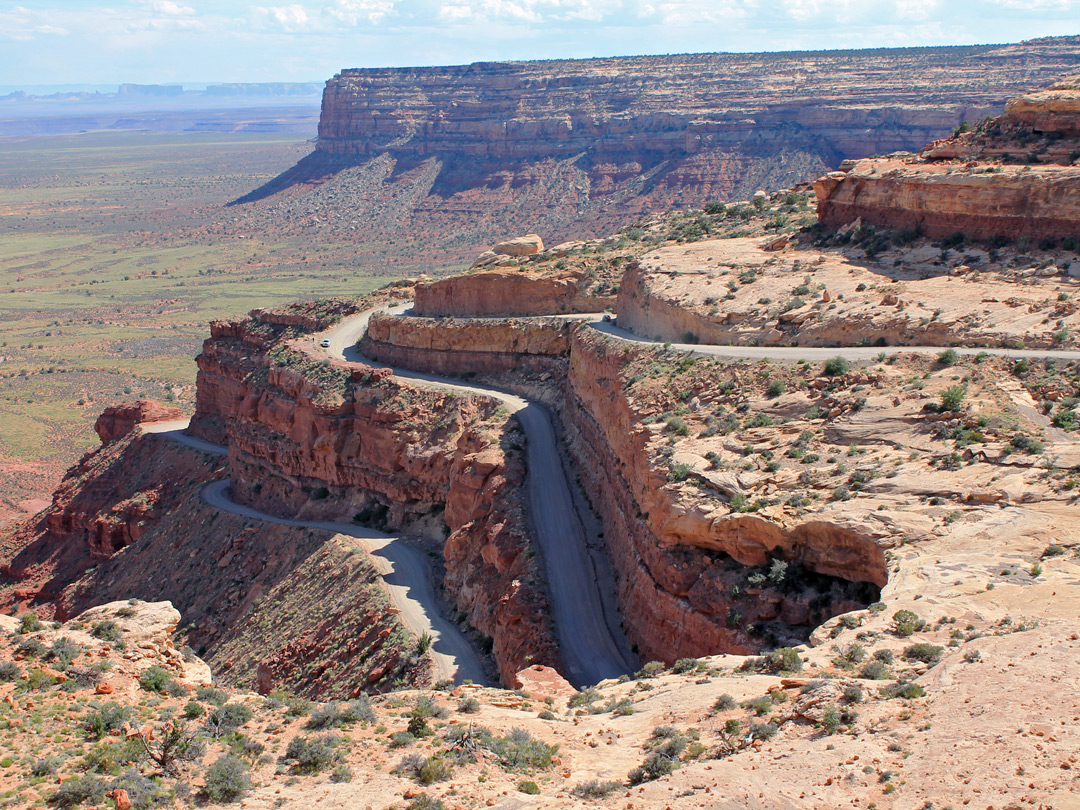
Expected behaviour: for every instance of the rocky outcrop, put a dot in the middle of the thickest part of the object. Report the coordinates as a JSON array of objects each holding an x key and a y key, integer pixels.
[
  {"x": 458, "y": 346},
  {"x": 119, "y": 420},
  {"x": 941, "y": 200},
  {"x": 321, "y": 439},
  {"x": 676, "y": 564},
  {"x": 1016, "y": 181},
  {"x": 501, "y": 293}
]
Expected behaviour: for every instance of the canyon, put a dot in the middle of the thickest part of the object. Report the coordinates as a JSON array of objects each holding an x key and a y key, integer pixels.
[{"x": 844, "y": 552}]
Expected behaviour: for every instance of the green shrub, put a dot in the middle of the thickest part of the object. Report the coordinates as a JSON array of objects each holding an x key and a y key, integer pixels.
[
  {"x": 595, "y": 789},
  {"x": 531, "y": 788},
  {"x": 830, "y": 720},
  {"x": 903, "y": 689},
  {"x": 724, "y": 703},
  {"x": 312, "y": 754},
  {"x": 83, "y": 789},
  {"x": 949, "y": 357},
  {"x": 425, "y": 802},
  {"x": 333, "y": 715},
  {"x": 520, "y": 751},
  {"x": 650, "y": 670},
  {"x": 106, "y": 631},
  {"x": 953, "y": 397},
  {"x": 782, "y": 659},
  {"x": 63, "y": 651},
  {"x": 227, "y": 780},
  {"x": 927, "y": 653},
  {"x": 434, "y": 769},
  {"x": 836, "y": 366},
  {"x": 685, "y": 665},
  {"x": 46, "y": 766},
  {"x": 143, "y": 793},
  {"x": 678, "y": 426},
  {"x": 906, "y": 623},
  {"x": 156, "y": 679},
  {"x": 401, "y": 739},
  {"x": 9, "y": 671},
  {"x": 776, "y": 388},
  {"x": 105, "y": 718},
  {"x": 228, "y": 718},
  {"x": 875, "y": 671},
  {"x": 469, "y": 705},
  {"x": 1027, "y": 444},
  {"x": 193, "y": 709},
  {"x": 210, "y": 694},
  {"x": 341, "y": 773},
  {"x": 29, "y": 623}
]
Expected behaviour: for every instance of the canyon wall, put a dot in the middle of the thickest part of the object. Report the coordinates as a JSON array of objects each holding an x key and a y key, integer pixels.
[
  {"x": 681, "y": 571},
  {"x": 459, "y": 346},
  {"x": 320, "y": 439},
  {"x": 677, "y": 564}
]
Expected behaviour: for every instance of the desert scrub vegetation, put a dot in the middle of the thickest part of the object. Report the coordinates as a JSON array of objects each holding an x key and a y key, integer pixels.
[{"x": 666, "y": 749}]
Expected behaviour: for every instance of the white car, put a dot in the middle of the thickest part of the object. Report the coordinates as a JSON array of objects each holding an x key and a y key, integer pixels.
[{"x": 325, "y": 343}]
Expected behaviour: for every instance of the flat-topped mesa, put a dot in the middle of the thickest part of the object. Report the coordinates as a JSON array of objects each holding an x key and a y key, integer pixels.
[
  {"x": 1018, "y": 178},
  {"x": 472, "y": 150}
]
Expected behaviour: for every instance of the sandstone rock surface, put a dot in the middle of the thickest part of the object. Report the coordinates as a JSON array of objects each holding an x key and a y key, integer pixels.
[{"x": 118, "y": 420}]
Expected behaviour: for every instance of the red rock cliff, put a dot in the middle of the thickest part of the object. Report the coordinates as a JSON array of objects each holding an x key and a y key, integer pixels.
[{"x": 319, "y": 439}]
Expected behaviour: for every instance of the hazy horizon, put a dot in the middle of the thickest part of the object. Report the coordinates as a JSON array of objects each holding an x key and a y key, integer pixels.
[{"x": 161, "y": 41}]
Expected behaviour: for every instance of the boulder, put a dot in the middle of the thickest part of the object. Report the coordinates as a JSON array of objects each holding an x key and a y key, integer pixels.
[{"x": 527, "y": 245}]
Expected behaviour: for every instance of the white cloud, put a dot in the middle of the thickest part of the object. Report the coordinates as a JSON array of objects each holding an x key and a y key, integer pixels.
[
  {"x": 355, "y": 12},
  {"x": 171, "y": 8}
]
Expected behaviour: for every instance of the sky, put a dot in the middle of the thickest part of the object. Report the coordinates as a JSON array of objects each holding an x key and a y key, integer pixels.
[{"x": 170, "y": 41}]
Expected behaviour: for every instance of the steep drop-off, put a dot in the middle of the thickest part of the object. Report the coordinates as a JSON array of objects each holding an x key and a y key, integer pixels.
[{"x": 317, "y": 438}]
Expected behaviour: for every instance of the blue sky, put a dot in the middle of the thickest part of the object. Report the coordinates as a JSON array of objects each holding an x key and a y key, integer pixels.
[{"x": 89, "y": 41}]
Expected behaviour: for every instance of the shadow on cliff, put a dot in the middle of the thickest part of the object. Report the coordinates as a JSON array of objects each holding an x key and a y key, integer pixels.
[{"x": 311, "y": 170}]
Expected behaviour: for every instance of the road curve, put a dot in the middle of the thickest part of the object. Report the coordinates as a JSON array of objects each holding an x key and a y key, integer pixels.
[
  {"x": 823, "y": 353},
  {"x": 591, "y": 647},
  {"x": 404, "y": 569}
]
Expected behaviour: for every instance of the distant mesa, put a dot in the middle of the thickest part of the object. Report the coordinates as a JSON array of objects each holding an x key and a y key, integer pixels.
[{"x": 577, "y": 147}]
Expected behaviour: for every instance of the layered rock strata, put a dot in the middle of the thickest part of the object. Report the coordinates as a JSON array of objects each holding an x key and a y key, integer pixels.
[
  {"x": 459, "y": 346},
  {"x": 501, "y": 293},
  {"x": 1016, "y": 180},
  {"x": 470, "y": 154},
  {"x": 322, "y": 439}
]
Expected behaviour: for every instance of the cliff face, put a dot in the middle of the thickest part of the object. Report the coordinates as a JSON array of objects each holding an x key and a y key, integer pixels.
[
  {"x": 1017, "y": 178},
  {"x": 465, "y": 154},
  {"x": 463, "y": 346},
  {"x": 319, "y": 439},
  {"x": 503, "y": 293},
  {"x": 676, "y": 564}
]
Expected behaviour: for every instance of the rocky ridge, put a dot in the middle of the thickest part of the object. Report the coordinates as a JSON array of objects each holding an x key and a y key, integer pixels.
[{"x": 1012, "y": 177}]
